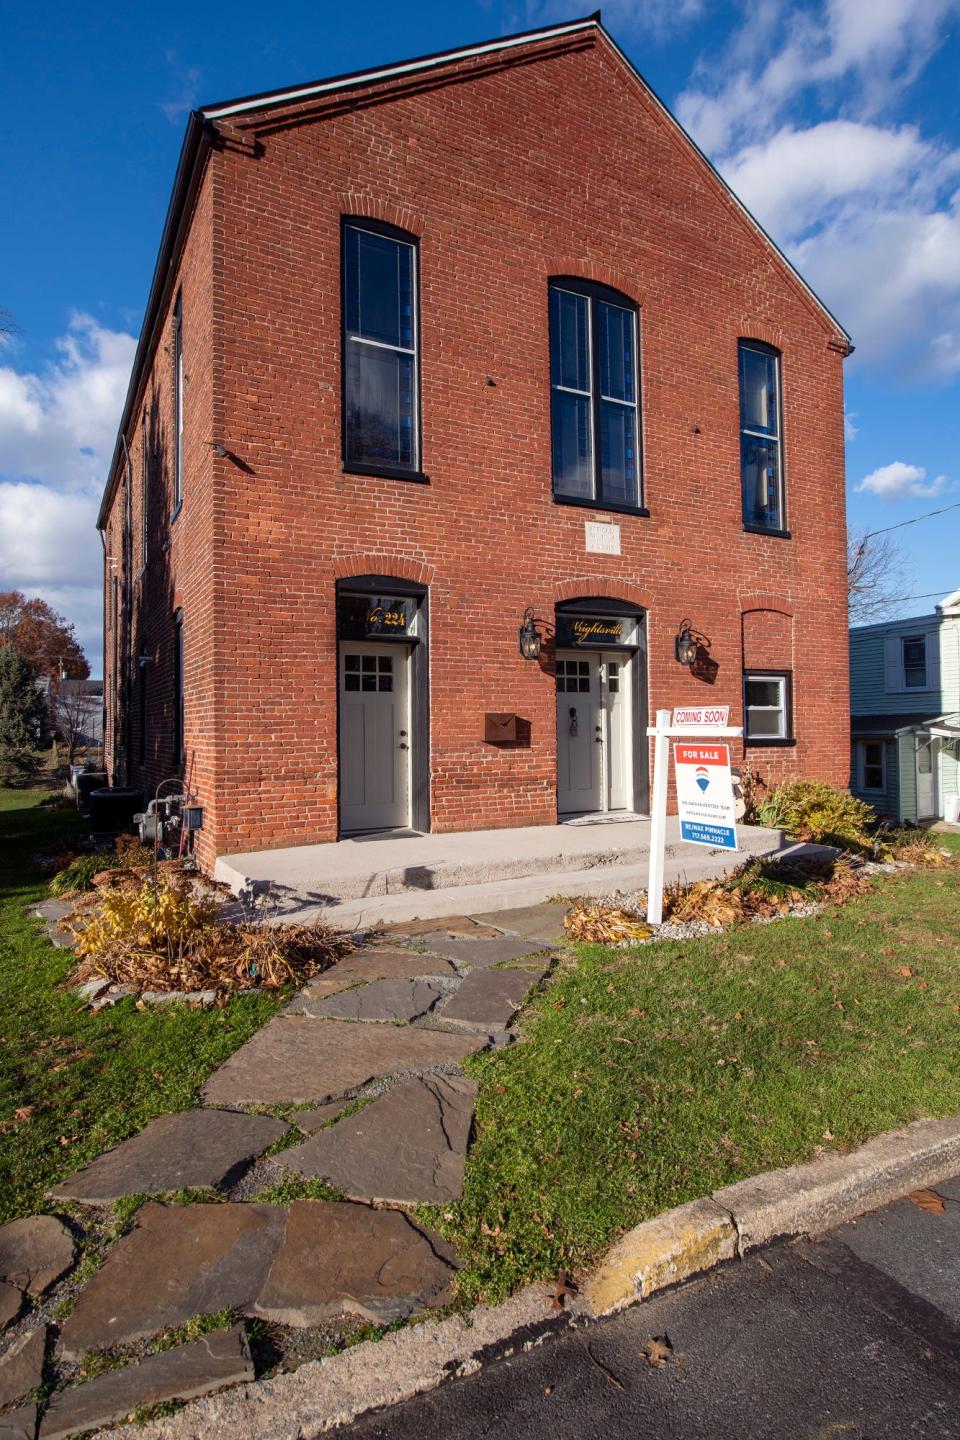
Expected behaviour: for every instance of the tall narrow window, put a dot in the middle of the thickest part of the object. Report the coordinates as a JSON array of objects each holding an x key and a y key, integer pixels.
[
  {"x": 761, "y": 462},
  {"x": 594, "y": 389},
  {"x": 143, "y": 715},
  {"x": 914, "y": 662},
  {"x": 380, "y": 360},
  {"x": 144, "y": 493},
  {"x": 178, "y": 404},
  {"x": 178, "y": 689}
]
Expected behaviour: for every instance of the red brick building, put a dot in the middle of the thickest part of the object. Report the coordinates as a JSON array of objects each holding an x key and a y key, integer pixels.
[{"x": 428, "y": 347}]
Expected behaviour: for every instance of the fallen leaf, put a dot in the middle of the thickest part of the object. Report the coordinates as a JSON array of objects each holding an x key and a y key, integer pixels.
[
  {"x": 927, "y": 1200},
  {"x": 658, "y": 1350},
  {"x": 827, "y": 1135},
  {"x": 24, "y": 1112},
  {"x": 904, "y": 970},
  {"x": 563, "y": 1286}
]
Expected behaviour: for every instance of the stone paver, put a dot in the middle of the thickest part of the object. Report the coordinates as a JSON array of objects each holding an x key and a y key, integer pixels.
[
  {"x": 195, "y": 1149},
  {"x": 387, "y": 1001},
  {"x": 19, "y": 1424},
  {"x": 296, "y": 1060},
  {"x": 488, "y": 999},
  {"x": 218, "y": 1359},
  {"x": 408, "y": 1147},
  {"x": 34, "y": 1253},
  {"x": 375, "y": 964},
  {"x": 314, "y": 1119},
  {"x": 468, "y": 951},
  {"x": 11, "y": 1303},
  {"x": 450, "y": 925},
  {"x": 177, "y": 1262},
  {"x": 21, "y": 1369},
  {"x": 532, "y": 922},
  {"x": 339, "y": 1258}
]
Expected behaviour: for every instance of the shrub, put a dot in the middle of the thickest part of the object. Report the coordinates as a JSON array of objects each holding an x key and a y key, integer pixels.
[
  {"x": 815, "y": 811},
  {"x": 78, "y": 874}
]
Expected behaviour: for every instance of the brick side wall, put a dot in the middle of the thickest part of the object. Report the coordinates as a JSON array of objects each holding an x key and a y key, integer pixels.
[{"x": 563, "y": 166}]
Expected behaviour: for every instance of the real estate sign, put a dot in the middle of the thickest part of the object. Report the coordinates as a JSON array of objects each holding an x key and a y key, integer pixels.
[{"x": 705, "y": 801}]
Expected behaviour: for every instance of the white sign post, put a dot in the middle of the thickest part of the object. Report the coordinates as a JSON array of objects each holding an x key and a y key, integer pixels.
[{"x": 662, "y": 732}]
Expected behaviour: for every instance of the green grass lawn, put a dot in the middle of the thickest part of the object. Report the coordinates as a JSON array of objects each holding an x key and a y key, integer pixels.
[
  {"x": 655, "y": 1075},
  {"x": 81, "y": 1082}
]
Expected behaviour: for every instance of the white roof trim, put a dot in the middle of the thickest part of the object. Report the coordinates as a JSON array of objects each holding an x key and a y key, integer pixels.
[
  {"x": 409, "y": 67},
  {"x": 949, "y": 602}
]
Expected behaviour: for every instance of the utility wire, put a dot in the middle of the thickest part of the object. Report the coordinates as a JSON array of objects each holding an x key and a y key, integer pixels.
[{"x": 929, "y": 516}]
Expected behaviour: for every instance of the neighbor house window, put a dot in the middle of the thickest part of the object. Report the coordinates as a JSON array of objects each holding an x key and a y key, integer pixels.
[
  {"x": 178, "y": 403},
  {"x": 594, "y": 386},
  {"x": 178, "y": 688},
  {"x": 380, "y": 361},
  {"x": 914, "y": 662},
  {"x": 873, "y": 765},
  {"x": 761, "y": 460},
  {"x": 766, "y": 704},
  {"x": 144, "y": 492}
]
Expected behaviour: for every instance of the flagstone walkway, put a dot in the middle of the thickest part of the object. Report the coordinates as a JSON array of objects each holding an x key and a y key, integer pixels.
[{"x": 361, "y": 1074}]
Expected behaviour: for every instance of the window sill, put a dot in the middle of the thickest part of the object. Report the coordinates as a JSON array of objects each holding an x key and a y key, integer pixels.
[
  {"x": 584, "y": 504},
  {"x": 766, "y": 530},
  {"x": 770, "y": 744},
  {"x": 386, "y": 472}
]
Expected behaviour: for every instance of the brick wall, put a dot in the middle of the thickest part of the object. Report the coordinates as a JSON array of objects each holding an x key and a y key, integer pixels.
[{"x": 510, "y": 170}]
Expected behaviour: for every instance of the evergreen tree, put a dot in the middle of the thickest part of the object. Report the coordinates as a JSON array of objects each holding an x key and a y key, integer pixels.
[{"x": 22, "y": 713}]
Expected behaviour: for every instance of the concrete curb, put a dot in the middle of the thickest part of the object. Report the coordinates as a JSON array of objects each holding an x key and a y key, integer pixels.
[{"x": 661, "y": 1252}]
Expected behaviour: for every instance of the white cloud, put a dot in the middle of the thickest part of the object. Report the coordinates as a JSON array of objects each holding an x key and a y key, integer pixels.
[
  {"x": 873, "y": 49},
  {"x": 898, "y": 481},
  {"x": 57, "y": 431},
  {"x": 850, "y": 430},
  {"x": 185, "y": 92}
]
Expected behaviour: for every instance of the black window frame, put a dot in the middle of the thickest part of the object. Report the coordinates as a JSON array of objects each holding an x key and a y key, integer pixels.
[
  {"x": 414, "y": 473},
  {"x": 781, "y": 531},
  {"x": 593, "y": 291},
  {"x": 863, "y": 765},
  {"x": 178, "y": 406},
  {"x": 144, "y": 494},
  {"x": 144, "y": 713},
  {"x": 769, "y": 742},
  {"x": 920, "y": 638}
]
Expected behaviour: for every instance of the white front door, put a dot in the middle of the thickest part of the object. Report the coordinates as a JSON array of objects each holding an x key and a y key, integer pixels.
[
  {"x": 926, "y": 780},
  {"x": 594, "y": 736},
  {"x": 374, "y": 736}
]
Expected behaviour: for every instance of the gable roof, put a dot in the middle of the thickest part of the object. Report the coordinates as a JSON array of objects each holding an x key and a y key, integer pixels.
[{"x": 209, "y": 120}]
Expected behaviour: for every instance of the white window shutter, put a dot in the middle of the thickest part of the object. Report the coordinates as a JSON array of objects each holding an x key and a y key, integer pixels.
[
  {"x": 892, "y": 664},
  {"x": 933, "y": 660}
]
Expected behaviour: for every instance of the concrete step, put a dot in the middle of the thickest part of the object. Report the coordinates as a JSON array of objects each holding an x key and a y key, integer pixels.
[{"x": 356, "y": 883}]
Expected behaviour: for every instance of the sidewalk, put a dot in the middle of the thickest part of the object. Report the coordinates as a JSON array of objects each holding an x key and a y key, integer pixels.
[{"x": 389, "y": 878}]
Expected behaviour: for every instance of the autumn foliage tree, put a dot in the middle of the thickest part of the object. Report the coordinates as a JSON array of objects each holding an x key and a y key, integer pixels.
[{"x": 44, "y": 638}]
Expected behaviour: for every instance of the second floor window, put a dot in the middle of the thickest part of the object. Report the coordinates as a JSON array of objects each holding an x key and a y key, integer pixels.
[
  {"x": 178, "y": 404},
  {"x": 380, "y": 363},
  {"x": 914, "y": 662},
  {"x": 761, "y": 462},
  {"x": 593, "y": 396}
]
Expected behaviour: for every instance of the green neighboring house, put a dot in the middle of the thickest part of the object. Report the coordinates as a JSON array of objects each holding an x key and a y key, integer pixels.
[{"x": 905, "y": 723}]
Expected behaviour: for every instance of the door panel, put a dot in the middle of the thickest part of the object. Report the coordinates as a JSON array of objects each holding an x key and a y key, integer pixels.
[
  {"x": 579, "y": 734},
  {"x": 618, "y": 737},
  {"x": 374, "y": 736},
  {"x": 926, "y": 781}
]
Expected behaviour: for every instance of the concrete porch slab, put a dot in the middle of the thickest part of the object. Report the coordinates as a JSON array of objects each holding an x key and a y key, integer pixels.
[
  {"x": 385, "y": 879},
  {"x": 379, "y": 867}
]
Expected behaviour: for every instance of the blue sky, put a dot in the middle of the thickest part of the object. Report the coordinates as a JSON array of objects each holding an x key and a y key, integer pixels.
[{"x": 838, "y": 122}]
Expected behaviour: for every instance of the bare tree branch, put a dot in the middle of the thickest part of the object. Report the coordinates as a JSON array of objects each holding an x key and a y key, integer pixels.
[{"x": 876, "y": 576}]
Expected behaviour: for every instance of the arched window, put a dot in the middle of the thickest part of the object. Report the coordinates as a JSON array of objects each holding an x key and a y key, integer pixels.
[
  {"x": 761, "y": 458},
  {"x": 381, "y": 381},
  {"x": 594, "y": 396}
]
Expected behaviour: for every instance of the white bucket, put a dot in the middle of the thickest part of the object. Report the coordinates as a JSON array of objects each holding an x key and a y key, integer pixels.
[{"x": 951, "y": 809}]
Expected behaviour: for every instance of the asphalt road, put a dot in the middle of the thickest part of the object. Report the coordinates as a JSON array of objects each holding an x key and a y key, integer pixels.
[{"x": 854, "y": 1336}]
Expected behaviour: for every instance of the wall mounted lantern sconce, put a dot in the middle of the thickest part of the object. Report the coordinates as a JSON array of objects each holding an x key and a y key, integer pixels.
[
  {"x": 685, "y": 643},
  {"x": 530, "y": 638},
  {"x": 143, "y": 660}
]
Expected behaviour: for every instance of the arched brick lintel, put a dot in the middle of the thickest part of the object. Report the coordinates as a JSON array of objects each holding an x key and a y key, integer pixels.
[
  {"x": 602, "y": 587},
  {"x": 416, "y": 570},
  {"x": 580, "y": 269},
  {"x": 372, "y": 207},
  {"x": 779, "y": 603},
  {"x": 751, "y": 329}
]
